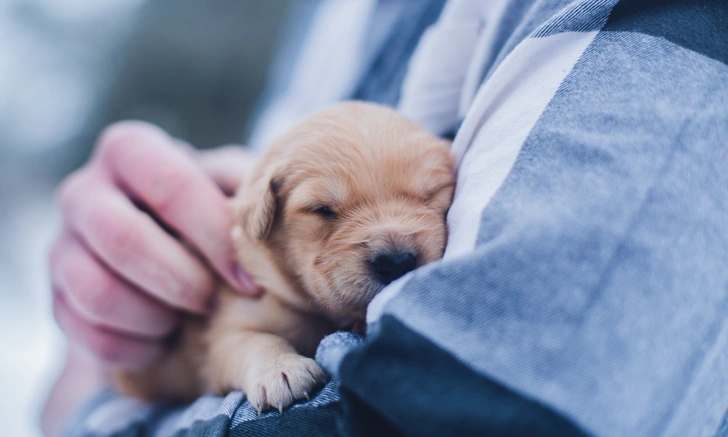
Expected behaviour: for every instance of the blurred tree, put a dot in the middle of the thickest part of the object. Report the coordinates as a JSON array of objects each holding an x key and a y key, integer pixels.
[{"x": 194, "y": 67}]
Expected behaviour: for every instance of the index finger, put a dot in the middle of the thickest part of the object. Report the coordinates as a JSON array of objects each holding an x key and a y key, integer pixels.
[{"x": 146, "y": 162}]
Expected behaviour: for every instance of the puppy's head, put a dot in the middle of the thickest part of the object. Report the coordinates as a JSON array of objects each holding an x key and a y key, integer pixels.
[{"x": 348, "y": 201}]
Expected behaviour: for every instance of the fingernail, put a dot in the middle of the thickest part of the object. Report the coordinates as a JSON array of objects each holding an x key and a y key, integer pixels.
[{"x": 246, "y": 281}]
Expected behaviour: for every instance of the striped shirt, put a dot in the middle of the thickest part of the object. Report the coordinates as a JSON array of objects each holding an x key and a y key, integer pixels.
[{"x": 584, "y": 289}]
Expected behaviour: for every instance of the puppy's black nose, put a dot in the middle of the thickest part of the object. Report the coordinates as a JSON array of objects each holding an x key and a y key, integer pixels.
[{"x": 392, "y": 265}]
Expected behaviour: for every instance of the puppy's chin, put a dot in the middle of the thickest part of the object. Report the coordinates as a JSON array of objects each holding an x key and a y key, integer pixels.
[{"x": 344, "y": 300}]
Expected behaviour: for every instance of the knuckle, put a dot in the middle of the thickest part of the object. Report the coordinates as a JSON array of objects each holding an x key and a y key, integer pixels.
[
  {"x": 118, "y": 241},
  {"x": 69, "y": 189},
  {"x": 165, "y": 323},
  {"x": 168, "y": 186},
  {"x": 199, "y": 286},
  {"x": 93, "y": 290},
  {"x": 107, "y": 348},
  {"x": 193, "y": 292},
  {"x": 185, "y": 298},
  {"x": 118, "y": 137}
]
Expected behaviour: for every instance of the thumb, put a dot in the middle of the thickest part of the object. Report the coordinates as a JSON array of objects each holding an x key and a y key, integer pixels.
[{"x": 227, "y": 166}]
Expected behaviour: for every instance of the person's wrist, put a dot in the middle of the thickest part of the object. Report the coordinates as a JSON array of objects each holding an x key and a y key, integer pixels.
[{"x": 82, "y": 377}]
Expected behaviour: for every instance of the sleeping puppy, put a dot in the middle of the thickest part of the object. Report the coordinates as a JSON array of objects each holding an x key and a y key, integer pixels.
[{"x": 346, "y": 202}]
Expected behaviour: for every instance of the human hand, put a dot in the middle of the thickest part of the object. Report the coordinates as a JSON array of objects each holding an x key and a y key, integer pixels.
[{"x": 145, "y": 234}]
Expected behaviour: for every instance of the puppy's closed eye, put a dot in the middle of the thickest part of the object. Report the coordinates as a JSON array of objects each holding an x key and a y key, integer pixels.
[{"x": 324, "y": 211}]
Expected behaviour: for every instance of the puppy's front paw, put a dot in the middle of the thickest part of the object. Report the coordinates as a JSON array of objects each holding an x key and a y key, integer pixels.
[{"x": 280, "y": 383}]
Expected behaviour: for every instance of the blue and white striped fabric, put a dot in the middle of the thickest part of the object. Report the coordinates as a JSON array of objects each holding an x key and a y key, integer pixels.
[{"x": 584, "y": 290}]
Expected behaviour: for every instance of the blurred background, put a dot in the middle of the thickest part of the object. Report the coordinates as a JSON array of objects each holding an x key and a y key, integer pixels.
[{"x": 67, "y": 69}]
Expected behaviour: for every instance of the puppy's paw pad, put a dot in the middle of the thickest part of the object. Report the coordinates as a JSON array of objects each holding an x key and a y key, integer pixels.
[{"x": 288, "y": 379}]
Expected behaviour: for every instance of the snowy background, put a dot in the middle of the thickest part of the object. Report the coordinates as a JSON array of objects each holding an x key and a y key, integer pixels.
[{"x": 69, "y": 67}]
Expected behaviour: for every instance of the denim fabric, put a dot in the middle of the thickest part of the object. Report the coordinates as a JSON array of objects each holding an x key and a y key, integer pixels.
[
  {"x": 316, "y": 417},
  {"x": 333, "y": 348},
  {"x": 400, "y": 383}
]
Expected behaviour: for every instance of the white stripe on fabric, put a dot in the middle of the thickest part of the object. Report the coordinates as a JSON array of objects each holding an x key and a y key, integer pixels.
[
  {"x": 432, "y": 89},
  {"x": 499, "y": 121},
  {"x": 485, "y": 50},
  {"x": 448, "y": 66}
]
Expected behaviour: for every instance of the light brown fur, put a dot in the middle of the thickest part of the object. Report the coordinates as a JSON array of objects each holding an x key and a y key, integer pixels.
[{"x": 387, "y": 185}]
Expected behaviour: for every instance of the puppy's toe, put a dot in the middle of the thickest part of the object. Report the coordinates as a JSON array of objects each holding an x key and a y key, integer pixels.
[{"x": 288, "y": 379}]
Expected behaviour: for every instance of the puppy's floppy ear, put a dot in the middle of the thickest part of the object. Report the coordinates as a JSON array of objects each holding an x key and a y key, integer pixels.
[{"x": 256, "y": 204}]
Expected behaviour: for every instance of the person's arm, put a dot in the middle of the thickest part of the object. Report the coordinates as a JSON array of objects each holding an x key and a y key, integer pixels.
[
  {"x": 81, "y": 378},
  {"x": 145, "y": 235}
]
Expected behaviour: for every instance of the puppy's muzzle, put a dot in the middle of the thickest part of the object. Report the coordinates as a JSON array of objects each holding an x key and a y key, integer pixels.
[{"x": 391, "y": 265}]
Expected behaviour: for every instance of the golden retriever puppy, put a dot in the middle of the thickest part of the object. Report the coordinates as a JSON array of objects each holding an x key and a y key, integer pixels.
[{"x": 347, "y": 201}]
